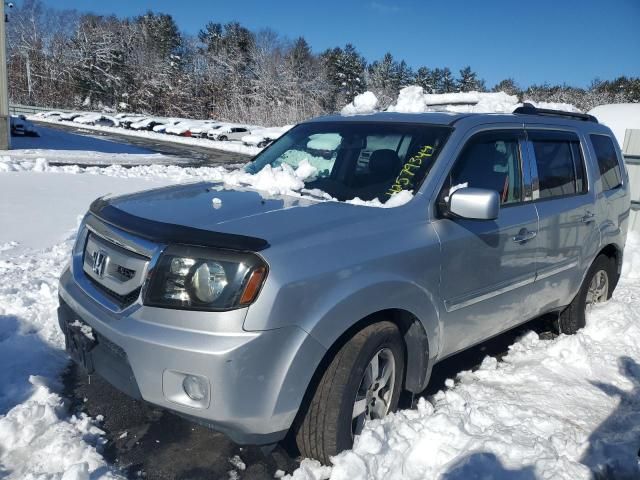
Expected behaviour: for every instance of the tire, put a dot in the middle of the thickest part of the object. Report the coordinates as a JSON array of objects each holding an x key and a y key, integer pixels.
[
  {"x": 222, "y": 138},
  {"x": 327, "y": 425},
  {"x": 572, "y": 318}
]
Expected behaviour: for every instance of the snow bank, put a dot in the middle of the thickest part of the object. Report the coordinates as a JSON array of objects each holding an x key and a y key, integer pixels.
[
  {"x": 362, "y": 104},
  {"x": 38, "y": 438},
  {"x": 560, "y": 409},
  {"x": 618, "y": 117}
]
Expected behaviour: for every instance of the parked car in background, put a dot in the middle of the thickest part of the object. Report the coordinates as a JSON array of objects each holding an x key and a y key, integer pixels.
[
  {"x": 97, "y": 119},
  {"x": 19, "y": 125},
  {"x": 200, "y": 129},
  {"x": 182, "y": 128},
  {"x": 272, "y": 316},
  {"x": 226, "y": 133},
  {"x": 169, "y": 122},
  {"x": 70, "y": 116},
  {"x": 127, "y": 120},
  {"x": 148, "y": 123},
  {"x": 261, "y": 137},
  {"x": 50, "y": 115}
]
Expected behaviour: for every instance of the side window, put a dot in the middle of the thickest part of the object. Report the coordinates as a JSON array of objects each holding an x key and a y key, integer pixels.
[
  {"x": 559, "y": 162},
  {"x": 491, "y": 161},
  {"x": 607, "y": 161}
]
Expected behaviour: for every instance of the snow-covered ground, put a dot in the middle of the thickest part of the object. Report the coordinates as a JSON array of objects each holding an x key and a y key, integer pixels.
[{"x": 550, "y": 409}]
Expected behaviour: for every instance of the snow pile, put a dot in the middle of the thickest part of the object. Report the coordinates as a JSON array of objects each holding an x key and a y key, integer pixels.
[
  {"x": 396, "y": 200},
  {"x": 37, "y": 437},
  {"x": 362, "y": 104},
  {"x": 413, "y": 99},
  {"x": 561, "y": 409},
  {"x": 619, "y": 117}
]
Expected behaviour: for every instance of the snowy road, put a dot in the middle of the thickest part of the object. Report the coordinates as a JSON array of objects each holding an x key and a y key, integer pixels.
[
  {"x": 188, "y": 151},
  {"x": 549, "y": 408}
]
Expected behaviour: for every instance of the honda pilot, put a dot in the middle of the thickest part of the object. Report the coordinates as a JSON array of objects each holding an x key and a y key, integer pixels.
[{"x": 262, "y": 314}]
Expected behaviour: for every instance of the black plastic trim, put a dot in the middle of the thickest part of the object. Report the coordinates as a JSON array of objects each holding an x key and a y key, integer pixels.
[
  {"x": 162, "y": 232},
  {"x": 530, "y": 109}
]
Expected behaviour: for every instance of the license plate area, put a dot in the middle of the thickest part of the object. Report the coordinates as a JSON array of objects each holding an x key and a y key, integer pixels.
[{"x": 79, "y": 341}]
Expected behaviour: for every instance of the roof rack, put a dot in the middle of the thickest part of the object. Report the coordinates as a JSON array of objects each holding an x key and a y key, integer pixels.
[{"x": 530, "y": 109}]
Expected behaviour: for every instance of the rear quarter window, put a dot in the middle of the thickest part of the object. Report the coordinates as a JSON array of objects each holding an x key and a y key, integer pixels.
[{"x": 607, "y": 161}]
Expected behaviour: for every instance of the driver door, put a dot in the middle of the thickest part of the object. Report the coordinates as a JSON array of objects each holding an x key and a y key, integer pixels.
[{"x": 487, "y": 266}]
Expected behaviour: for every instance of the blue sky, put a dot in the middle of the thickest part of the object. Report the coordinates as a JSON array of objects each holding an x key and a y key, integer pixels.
[{"x": 558, "y": 41}]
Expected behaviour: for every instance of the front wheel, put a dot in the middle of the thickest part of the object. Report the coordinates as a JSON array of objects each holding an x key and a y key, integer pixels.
[
  {"x": 597, "y": 287},
  {"x": 222, "y": 138},
  {"x": 363, "y": 381}
]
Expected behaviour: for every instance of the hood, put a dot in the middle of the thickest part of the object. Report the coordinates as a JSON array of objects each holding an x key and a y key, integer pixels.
[{"x": 206, "y": 210}]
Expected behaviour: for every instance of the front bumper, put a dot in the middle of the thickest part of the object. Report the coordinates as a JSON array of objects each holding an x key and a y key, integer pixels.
[{"x": 256, "y": 379}]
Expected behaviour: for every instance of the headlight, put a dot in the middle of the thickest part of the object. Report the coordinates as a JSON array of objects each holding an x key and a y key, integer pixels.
[{"x": 197, "y": 278}]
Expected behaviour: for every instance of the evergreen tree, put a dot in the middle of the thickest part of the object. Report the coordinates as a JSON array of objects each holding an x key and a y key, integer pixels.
[
  {"x": 406, "y": 76},
  {"x": 436, "y": 80},
  {"x": 424, "y": 78},
  {"x": 345, "y": 72},
  {"x": 468, "y": 81},
  {"x": 448, "y": 82},
  {"x": 509, "y": 86},
  {"x": 384, "y": 79}
]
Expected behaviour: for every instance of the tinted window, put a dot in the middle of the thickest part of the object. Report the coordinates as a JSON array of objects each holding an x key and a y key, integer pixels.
[
  {"x": 556, "y": 171},
  {"x": 490, "y": 161},
  {"x": 607, "y": 161}
]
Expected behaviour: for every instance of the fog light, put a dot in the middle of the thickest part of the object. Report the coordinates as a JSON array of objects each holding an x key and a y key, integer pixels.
[{"x": 195, "y": 387}]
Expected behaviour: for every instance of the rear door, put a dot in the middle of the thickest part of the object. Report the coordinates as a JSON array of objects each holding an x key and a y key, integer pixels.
[
  {"x": 567, "y": 236},
  {"x": 487, "y": 266}
]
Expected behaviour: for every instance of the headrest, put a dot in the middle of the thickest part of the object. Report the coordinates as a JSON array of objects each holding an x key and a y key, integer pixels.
[{"x": 384, "y": 163}]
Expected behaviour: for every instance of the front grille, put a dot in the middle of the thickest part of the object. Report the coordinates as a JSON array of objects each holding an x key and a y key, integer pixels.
[
  {"x": 121, "y": 300},
  {"x": 116, "y": 271}
]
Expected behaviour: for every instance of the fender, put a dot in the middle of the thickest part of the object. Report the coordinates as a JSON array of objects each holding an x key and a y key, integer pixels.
[{"x": 329, "y": 321}]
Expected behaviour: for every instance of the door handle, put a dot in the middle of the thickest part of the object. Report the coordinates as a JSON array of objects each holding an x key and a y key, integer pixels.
[
  {"x": 524, "y": 236},
  {"x": 588, "y": 217}
]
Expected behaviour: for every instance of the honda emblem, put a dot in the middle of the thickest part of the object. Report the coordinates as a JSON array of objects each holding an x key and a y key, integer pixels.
[{"x": 100, "y": 259}]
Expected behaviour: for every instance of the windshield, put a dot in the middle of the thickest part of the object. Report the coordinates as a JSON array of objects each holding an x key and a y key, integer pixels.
[{"x": 365, "y": 160}]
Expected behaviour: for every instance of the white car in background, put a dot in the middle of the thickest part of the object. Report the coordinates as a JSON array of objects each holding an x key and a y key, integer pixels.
[
  {"x": 169, "y": 122},
  {"x": 148, "y": 123},
  {"x": 225, "y": 133},
  {"x": 126, "y": 120},
  {"x": 49, "y": 115},
  {"x": 97, "y": 119},
  {"x": 182, "y": 128},
  {"x": 264, "y": 136},
  {"x": 70, "y": 116},
  {"x": 201, "y": 130}
]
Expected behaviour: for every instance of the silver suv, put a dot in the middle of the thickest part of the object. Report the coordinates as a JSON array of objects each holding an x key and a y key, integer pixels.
[{"x": 271, "y": 314}]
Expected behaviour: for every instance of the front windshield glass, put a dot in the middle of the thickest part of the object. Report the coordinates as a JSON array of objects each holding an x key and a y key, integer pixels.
[{"x": 365, "y": 160}]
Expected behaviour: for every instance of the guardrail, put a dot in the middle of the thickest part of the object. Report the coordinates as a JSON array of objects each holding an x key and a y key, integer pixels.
[{"x": 18, "y": 109}]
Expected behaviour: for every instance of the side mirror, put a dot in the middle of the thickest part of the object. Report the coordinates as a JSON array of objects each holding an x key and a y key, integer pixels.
[{"x": 475, "y": 203}]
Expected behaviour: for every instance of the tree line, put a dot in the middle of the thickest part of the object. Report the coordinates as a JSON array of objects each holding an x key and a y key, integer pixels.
[{"x": 66, "y": 59}]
